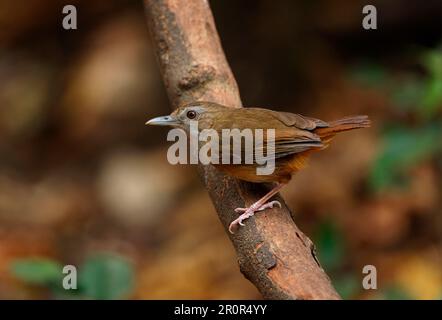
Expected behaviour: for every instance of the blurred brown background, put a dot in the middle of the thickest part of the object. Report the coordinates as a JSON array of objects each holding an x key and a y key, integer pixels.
[{"x": 84, "y": 182}]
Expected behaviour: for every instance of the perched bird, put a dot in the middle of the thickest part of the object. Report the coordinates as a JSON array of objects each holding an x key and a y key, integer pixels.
[{"x": 296, "y": 138}]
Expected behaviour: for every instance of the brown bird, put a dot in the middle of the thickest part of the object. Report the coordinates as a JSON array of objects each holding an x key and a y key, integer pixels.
[{"x": 296, "y": 138}]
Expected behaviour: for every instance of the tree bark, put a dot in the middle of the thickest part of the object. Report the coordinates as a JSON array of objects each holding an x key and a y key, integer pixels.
[{"x": 272, "y": 252}]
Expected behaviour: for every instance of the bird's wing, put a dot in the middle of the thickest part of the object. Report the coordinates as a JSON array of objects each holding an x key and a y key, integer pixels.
[
  {"x": 264, "y": 151},
  {"x": 293, "y": 133},
  {"x": 288, "y": 142},
  {"x": 299, "y": 121}
]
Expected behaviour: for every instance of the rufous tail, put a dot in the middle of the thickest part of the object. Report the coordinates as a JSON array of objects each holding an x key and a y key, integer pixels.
[{"x": 344, "y": 124}]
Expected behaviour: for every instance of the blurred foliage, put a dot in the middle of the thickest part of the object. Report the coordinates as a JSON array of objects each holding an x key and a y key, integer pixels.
[
  {"x": 432, "y": 97},
  {"x": 103, "y": 276},
  {"x": 420, "y": 96},
  {"x": 106, "y": 277},
  {"x": 404, "y": 147},
  {"x": 408, "y": 94},
  {"x": 332, "y": 253},
  {"x": 347, "y": 285},
  {"x": 45, "y": 273},
  {"x": 39, "y": 271},
  {"x": 330, "y": 247},
  {"x": 416, "y": 97}
]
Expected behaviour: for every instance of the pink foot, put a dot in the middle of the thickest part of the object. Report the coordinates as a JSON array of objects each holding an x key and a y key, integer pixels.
[{"x": 250, "y": 211}]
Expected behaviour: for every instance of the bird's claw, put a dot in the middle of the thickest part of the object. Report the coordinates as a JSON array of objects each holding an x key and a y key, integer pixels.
[
  {"x": 239, "y": 221},
  {"x": 270, "y": 205},
  {"x": 248, "y": 212}
]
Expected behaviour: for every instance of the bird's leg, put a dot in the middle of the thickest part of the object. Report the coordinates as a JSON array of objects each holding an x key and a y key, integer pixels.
[{"x": 259, "y": 205}]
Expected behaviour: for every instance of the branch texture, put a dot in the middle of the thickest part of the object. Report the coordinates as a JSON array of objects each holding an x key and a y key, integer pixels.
[{"x": 272, "y": 252}]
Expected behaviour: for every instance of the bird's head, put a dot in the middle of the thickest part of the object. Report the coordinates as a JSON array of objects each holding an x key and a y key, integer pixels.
[{"x": 203, "y": 112}]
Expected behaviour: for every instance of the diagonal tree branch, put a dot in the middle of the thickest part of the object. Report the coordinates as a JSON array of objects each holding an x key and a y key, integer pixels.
[{"x": 272, "y": 252}]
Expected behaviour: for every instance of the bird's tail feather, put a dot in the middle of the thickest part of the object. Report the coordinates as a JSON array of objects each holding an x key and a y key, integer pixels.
[
  {"x": 353, "y": 122},
  {"x": 344, "y": 124}
]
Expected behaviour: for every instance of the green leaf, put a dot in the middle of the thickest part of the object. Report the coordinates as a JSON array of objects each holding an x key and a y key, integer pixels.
[
  {"x": 106, "y": 276},
  {"x": 40, "y": 271},
  {"x": 329, "y": 246},
  {"x": 403, "y": 149}
]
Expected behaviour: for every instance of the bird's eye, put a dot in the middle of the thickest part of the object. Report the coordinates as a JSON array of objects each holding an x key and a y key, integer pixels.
[{"x": 191, "y": 114}]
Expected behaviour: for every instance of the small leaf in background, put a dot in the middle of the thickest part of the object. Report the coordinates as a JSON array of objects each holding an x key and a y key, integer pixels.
[
  {"x": 40, "y": 271},
  {"x": 106, "y": 276},
  {"x": 329, "y": 246},
  {"x": 403, "y": 149}
]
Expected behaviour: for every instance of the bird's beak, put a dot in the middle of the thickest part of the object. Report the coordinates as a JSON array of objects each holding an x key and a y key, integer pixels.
[{"x": 164, "y": 121}]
